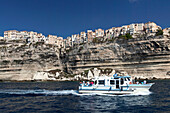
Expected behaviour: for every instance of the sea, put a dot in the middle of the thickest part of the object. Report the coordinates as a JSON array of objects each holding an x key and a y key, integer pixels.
[{"x": 63, "y": 97}]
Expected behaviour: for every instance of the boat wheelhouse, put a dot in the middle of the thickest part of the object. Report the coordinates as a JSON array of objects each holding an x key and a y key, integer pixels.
[{"x": 113, "y": 85}]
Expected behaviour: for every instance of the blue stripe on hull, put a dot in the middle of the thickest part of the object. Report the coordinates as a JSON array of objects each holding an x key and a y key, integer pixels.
[{"x": 104, "y": 90}]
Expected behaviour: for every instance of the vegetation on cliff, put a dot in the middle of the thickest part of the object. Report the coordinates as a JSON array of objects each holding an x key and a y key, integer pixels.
[{"x": 159, "y": 32}]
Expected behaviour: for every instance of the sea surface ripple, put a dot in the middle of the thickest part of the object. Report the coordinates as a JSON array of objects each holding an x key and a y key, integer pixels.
[{"x": 63, "y": 97}]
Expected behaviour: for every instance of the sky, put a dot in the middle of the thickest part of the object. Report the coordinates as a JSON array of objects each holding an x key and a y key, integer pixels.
[{"x": 67, "y": 17}]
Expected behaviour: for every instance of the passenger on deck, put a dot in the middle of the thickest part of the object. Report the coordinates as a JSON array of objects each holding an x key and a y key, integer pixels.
[
  {"x": 86, "y": 84},
  {"x": 83, "y": 83},
  {"x": 80, "y": 83},
  {"x": 137, "y": 82},
  {"x": 91, "y": 83},
  {"x": 144, "y": 81}
]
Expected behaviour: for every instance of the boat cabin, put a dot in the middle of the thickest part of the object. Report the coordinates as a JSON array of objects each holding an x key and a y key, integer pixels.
[
  {"x": 112, "y": 85},
  {"x": 112, "y": 81}
]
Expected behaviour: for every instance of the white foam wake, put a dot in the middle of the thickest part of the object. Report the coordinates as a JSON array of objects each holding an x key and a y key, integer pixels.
[
  {"x": 38, "y": 92},
  {"x": 142, "y": 93},
  {"x": 59, "y": 92},
  {"x": 43, "y": 92}
]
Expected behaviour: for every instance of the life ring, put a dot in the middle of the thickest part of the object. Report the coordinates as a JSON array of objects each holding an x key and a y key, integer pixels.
[{"x": 130, "y": 83}]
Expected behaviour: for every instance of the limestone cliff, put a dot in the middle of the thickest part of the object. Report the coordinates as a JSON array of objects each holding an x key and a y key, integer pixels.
[
  {"x": 147, "y": 57},
  {"x": 19, "y": 61}
]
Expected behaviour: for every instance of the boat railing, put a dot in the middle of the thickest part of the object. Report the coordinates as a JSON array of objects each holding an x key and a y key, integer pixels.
[
  {"x": 144, "y": 82},
  {"x": 86, "y": 84}
]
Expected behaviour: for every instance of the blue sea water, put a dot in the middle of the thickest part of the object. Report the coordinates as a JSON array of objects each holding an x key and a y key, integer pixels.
[{"x": 62, "y": 97}]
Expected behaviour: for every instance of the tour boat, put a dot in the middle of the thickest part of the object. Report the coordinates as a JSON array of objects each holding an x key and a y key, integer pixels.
[{"x": 116, "y": 85}]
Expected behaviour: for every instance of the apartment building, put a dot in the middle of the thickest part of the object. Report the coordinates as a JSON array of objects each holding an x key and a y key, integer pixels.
[
  {"x": 83, "y": 37},
  {"x": 23, "y": 35},
  {"x": 64, "y": 43},
  {"x": 60, "y": 42},
  {"x": 68, "y": 42},
  {"x": 90, "y": 35},
  {"x": 73, "y": 39},
  {"x": 52, "y": 39},
  {"x": 78, "y": 39},
  {"x": 10, "y": 35},
  {"x": 151, "y": 27},
  {"x": 99, "y": 33},
  {"x": 125, "y": 29},
  {"x": 135, "y": 29},
  {"x": 1, "y": 38},
  {"x": 109, "y": 33},
  {"x": 140, "y": 27},
  {"x": 32, "y": 36},
  {"x": 15, "y": 35},
  {"x": 166, "y": 31},
  {"x": 116, "y": 31}
]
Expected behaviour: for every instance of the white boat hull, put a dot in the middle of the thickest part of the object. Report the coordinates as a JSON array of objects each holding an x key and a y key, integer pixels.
[
  {"x": 106, "y": 92},
  {"x": 130, "y": 89}
]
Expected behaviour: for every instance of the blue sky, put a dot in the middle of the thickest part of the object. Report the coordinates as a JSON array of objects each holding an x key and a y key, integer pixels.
[{"x": 67, "y": 17}]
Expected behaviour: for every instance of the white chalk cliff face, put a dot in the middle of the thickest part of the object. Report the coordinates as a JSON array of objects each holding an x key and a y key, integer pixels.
[{"x": 141, "y": 57}]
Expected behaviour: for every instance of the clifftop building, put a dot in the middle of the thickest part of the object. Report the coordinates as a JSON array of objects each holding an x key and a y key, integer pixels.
[
  {"x": 10, "y": 35},
  {"x": 90, "y": 35},
  {"x": 135, "y": 29},
  {"x": 22, "y": 35},
  {"x": 54, "y": 40},
  {"x": 151, "y": 27},
  {"x": 166, "y": 31},
  {"x": 1, "y": 38},
  {"x": 83, "y": 37},
  {"x": 99, "y": 33}
]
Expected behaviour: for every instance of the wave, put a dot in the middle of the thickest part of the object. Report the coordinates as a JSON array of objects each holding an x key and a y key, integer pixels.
[
  {"x": 142, "y": 93},
  {"x": 37, "y": 92},
  {"x": 59, "y": 92}
]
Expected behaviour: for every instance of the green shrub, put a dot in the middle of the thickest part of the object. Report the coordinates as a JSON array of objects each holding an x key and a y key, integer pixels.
[
  {"x": 159, "y": 32},
  {"x": 126, "y": 36}
]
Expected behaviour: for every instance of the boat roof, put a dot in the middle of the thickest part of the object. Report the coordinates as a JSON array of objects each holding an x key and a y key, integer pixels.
[
  {"x": 114, "y": 77},
  {"x": 122, "y": 76}
]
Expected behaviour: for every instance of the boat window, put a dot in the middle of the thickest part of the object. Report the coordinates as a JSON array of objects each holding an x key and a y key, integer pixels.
[
  {"x": 101, "y": 82},
  {"x": 116, "y": 78},
  {"x": 112, "y": 82},
  {"x": 128, "y": 79},
  {"x": 121, "y": 81},
  {"x": 95, "y": 82}
]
